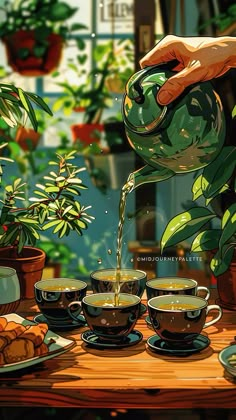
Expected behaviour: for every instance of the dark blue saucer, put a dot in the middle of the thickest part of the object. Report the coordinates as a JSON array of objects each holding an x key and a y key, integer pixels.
[
  {"x": 90, "y": 338},
  {"x": 158, "y": 345},
  {"x": 62, "y": 327}
]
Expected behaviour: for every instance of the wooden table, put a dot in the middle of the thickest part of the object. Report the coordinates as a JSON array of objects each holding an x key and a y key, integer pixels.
[{"x": 133, "y": 377}]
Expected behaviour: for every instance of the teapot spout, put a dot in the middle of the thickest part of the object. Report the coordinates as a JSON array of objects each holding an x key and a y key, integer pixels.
[{"x": 148, "y": 174}]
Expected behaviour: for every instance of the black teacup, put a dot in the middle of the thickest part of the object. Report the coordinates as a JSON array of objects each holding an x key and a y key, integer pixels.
[
  {"x": 59, "y": 299},
  {"x": 175, "y": 286},
  {"x": 131, "y": 281},
  {"x": 107, "y": 321},
  {"x": 179, "y": 319}
]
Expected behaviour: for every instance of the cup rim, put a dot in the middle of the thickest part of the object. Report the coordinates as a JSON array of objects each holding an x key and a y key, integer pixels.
[
  {"x": 174, "y": 278},
  {"x": 13, "y": 271},
  {"x": 111, "y": 294},
  {"x": 181, "y": 297},
  {"x": 93, "y": 276},
  {"x": 36, "y": 285}
]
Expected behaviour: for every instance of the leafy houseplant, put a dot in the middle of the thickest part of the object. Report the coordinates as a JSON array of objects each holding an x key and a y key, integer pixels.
[
  {"x": 16, "y": 105},
  {"x": 55, "y": 206},
  {"x": 217, "y": 181},
  {"x": 34, "y": 32},
  {"x": 222, "y": 21}
]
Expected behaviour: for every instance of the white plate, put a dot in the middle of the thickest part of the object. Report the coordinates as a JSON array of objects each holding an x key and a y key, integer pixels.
[{"x": 58, "y": 346}]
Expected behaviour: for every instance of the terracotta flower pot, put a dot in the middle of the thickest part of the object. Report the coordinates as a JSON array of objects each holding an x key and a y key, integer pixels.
[
  {"x": 226, "y": 287},
  {"x": 32, "y": 65},
  {"x": 86, "y": 133},
  {"x": 29, "y": 267},
  {"x": 27, "y": 138}
]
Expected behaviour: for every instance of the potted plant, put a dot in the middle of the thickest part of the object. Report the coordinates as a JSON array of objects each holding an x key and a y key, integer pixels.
[
  {"x": 215, "y": 185},
  {"x": 34, "y": 33},
  {"x": 55, "y": 206}
]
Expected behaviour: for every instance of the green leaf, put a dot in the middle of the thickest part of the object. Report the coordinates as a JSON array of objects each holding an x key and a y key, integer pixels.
[
  {"x": 197, "y": 188},
  {"x": 78, "y": 26},
  {"x": 51, "y": 224},
  {"x": 73, "y": 191},
  {"x": 206, "y": 240},
  {"x": 224, "y": 188},
  {"x": 59, "y": 226},
  {"x": 29, "y": 109},
  {"x": 218, "y": 173},
  {"x": 74, "y": 181},
  {"x": 234, "y": 112},
  {"x": 184, "y": 225},
  {"x": 221, "y": 261},
  {"x": 39, "y": 102},
  {"x": 52, "y": 189},
  {"x": 228, "y": 225},
  {"x": 81, "y": 224},
  {"x": 22, "y": 241},
  {"x": 63, "y": 230},
  {"x": 41, "y": 194},
  {"x": 80, "y": 44},
  {"x": 27, "y": 220}
]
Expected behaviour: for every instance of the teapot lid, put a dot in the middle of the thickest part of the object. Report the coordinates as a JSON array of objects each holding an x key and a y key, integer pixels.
[{"x": 141, "y": 111}]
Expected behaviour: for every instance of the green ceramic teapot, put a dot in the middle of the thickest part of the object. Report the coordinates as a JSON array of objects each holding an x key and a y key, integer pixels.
[{"x": 181, "y": 137}]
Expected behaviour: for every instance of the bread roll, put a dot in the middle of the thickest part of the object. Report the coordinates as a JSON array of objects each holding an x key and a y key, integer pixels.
[{"x": 18, "y": 350}]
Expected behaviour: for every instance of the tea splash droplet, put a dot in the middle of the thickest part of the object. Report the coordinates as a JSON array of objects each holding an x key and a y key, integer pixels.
[
  {"x": 109, "y": 251},
  {"x": 99, "y": 261}
]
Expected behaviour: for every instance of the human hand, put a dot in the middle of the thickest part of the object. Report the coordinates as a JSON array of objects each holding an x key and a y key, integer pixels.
[{"x": 200, "y": 59}]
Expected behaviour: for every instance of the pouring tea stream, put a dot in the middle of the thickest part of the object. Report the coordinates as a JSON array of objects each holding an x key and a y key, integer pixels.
[{"x": 181, "y": 137}]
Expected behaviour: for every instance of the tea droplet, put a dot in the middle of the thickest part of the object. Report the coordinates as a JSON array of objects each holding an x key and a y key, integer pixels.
[
  {"x": 109, "y": 251},
  {"x": 99, "y": 261},
  {"x": 106, "y": 211},
  {"x": 131, "y": 260}
]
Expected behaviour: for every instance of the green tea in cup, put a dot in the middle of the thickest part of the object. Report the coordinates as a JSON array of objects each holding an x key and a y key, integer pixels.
[
  {"x": 179, "y": 319},
  {"x": 59, "y": 299},
  {"x": 175, "y": 285},
  {"x": 107, "y": 320}
]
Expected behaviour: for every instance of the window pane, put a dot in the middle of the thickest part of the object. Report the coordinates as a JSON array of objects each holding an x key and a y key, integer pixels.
[
  {"x": 83, "y": 15},
  {"x": 123, "y": 20},
  {"x": 70, "y": 69}
]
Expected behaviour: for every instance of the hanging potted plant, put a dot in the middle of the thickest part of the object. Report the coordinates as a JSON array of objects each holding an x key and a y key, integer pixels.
[
  {"x": 55, "y": 206},
  {"x": 216, "y": 184},
  {"x": 34, "y": 33}
]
